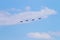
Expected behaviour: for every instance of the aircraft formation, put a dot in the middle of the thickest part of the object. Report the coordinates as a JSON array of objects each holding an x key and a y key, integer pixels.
[{"x": 31, "y": 20}]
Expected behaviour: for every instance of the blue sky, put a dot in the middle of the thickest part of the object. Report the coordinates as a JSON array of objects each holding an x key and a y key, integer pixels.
[{"x": 49, "y": 26}]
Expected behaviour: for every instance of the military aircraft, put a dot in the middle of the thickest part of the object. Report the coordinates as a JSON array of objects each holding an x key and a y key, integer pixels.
[
  {"x": 26, "y": 20},
  {"x": 33, "y": 19},
  {"x": 21, "y": 21},
  {"x": 39, "y": 18}
]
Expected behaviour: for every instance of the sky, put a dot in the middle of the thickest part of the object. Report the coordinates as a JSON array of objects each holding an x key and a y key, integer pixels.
[{"x": 29, "y": 19}]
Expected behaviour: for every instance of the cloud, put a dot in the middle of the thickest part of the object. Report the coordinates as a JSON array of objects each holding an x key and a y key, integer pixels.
[
  {"x": 55, "y": 33},
  {"x": 8, "y": 19},
  {"x": 43, "y": 35},
  {"x": 38, "y": 35}
]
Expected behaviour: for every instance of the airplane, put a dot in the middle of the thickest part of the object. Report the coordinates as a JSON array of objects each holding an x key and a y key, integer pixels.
[
  {"x": 26, "y": 20},
  {"x": 21, "y": 21},
  {"x": 39, "y": 18},
  {"x": 33, "y": 19}
]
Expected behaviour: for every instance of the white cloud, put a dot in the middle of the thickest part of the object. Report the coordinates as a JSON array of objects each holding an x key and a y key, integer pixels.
[
  {"x": 43, "y": 35},
  {"x": 38, "y": 35},
  {"x": 8, "y": 19},
  {"x": 55, "y": 33}
]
